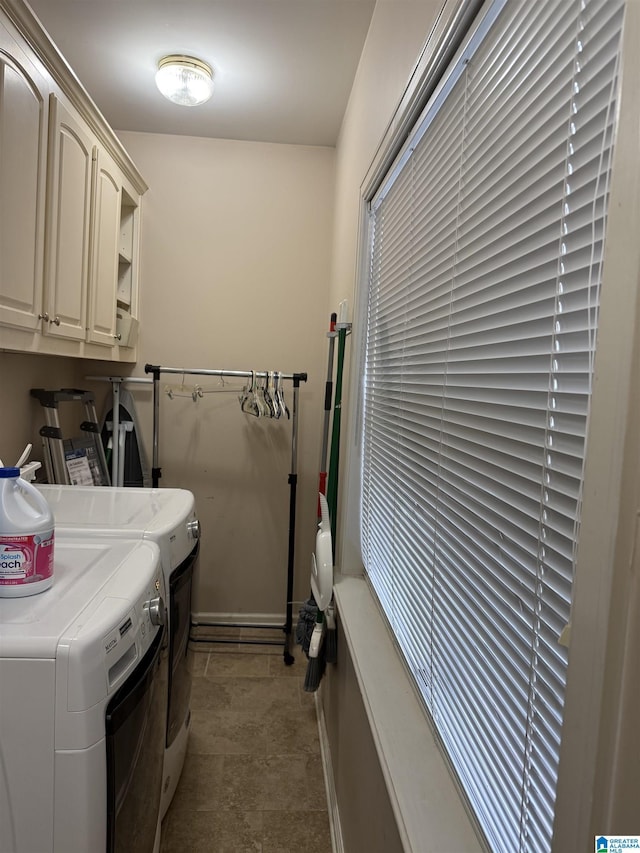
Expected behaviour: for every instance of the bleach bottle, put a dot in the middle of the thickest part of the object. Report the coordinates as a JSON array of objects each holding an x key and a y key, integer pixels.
[{"x": 26, "y": 537}]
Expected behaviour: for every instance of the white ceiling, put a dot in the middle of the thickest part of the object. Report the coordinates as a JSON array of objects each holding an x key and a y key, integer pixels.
[{"x": 283, "y": 68}]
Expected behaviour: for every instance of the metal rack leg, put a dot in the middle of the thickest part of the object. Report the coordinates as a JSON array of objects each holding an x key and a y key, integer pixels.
[{"x": 293, "y": 483}]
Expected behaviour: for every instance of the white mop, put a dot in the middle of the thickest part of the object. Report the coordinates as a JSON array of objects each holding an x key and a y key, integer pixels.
[{"x": 322, "y": 589}]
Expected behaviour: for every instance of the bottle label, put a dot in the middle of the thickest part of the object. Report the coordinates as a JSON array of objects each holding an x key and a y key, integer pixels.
[{"x": 26, "y": 559}]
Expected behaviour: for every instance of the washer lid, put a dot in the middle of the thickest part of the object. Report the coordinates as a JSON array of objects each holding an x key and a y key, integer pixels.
[
  {"x": 85, "y": 572},
  {"x": 154, "y": 512}
]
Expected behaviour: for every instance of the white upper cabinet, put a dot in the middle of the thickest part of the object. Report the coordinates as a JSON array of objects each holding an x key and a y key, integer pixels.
[
  {"x": 23, "y": 147},
  {"x": 71, "y": 151},
  {"x": 70, "y": 199}
]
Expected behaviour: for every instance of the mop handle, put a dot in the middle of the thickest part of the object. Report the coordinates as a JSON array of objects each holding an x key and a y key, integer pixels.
[
  {"x": 334, "y": 462},
  {"x": 328, "y": 394}
]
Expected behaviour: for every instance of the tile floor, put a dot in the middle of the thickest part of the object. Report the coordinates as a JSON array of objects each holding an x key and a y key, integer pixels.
[{"x": 252, "y": 779}]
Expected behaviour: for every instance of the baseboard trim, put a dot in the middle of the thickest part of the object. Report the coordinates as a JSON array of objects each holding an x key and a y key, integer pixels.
[
  {"x": 238, "y": 620},
  {"x": 337, "y": 844}
]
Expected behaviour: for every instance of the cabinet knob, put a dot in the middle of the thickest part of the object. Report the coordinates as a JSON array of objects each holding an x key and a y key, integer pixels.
[
  {"x": 56, "y": 320},
  {"x": 44, "y": 317},
  {"x": 118, "y": 337}
]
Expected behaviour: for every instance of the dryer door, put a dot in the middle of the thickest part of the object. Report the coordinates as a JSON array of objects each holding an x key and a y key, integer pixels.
[{"x": 135, "y": 732}]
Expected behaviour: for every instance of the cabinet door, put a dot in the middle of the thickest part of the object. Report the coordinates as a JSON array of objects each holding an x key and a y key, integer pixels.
[
  {"x": 106, "y": 238},
  {"x": 23, "y": 139},
  {"x": 71, "y": 150}
]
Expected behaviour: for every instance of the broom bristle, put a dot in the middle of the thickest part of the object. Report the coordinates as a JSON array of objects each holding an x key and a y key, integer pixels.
[
  {"x": 313, "y": 675},
  {"x": 331, "y": 635},
  {"x": 331, "y": 645}
]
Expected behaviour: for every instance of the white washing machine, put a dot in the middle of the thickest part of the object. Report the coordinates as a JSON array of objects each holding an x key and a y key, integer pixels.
[
  {"x": 83, "y": 669},
  {"x": 166, "y": 517}
]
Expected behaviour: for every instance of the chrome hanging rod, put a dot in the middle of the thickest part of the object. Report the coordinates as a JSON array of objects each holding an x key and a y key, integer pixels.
[
  {"x": 156, "y": 370},
  {"x": 239, "y": 374}
]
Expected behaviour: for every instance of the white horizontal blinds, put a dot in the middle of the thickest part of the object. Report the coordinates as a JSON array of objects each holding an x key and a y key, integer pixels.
[
  {"x": 382, "y": 434},
  {"x": 486, "y": 246},
  {"x": 585, "y": 200},
  {"x": 510, "y": 296},
  {"x": 411, "y": 266}
]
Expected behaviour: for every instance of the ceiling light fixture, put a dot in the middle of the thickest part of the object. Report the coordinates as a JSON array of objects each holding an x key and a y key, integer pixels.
[{"x": 184, "y": 80}]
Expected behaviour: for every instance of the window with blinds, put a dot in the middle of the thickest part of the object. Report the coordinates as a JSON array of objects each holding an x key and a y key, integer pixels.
[{"x": 485, "y": 250}]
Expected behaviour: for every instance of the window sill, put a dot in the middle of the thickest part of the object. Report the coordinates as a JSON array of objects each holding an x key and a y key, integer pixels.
[{"x": 430, "y": 812}]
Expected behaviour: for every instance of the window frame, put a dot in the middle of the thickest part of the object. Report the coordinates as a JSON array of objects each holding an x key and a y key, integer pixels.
[{"x": 612, "y": 465}]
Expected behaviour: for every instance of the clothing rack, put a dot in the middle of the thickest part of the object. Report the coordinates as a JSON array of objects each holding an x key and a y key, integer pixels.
[{"x": 296, "y": 379}]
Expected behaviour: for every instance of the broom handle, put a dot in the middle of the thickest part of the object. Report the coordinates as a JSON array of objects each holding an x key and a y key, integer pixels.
[
  {"x": 328, "y": 394},
  {"x": 334, "y": 461}
]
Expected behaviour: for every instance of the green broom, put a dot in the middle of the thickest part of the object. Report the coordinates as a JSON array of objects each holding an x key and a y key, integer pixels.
[
  {"x": 331, "y": 644},
  {"x": 309, "y": 632},
  {"x": 323, "y": 645},
  {"x": 334, "y": 459}
]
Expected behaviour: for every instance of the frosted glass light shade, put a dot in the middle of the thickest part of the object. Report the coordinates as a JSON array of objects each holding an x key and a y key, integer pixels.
[{"x": 185, "y": 80}]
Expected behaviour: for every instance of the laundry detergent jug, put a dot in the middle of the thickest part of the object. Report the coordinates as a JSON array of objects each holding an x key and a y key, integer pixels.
[{"x": 26, "y": 537}]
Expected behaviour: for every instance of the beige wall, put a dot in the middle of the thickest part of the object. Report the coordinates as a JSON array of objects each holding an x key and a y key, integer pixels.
[
  {"x": 398, "y": 32},
  {"x": 366, "y": 815},
  {"x": 22, "y": 415},
  {"x": 234, "y": 269}
]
